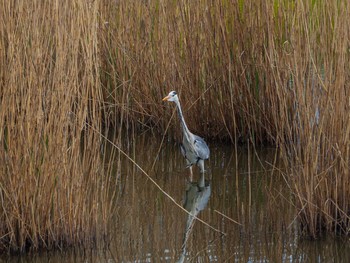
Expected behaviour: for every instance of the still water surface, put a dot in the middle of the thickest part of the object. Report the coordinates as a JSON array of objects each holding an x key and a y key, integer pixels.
[{"x": 245, "y": 202}]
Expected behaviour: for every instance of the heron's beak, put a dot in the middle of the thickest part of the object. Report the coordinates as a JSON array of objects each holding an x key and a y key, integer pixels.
[{"x": 166, "y": 98}]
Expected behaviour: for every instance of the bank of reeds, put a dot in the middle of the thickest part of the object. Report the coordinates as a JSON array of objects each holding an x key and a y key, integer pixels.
[
  {"x": 265, "y": 71},
  {"x": 54, "y": 189}
]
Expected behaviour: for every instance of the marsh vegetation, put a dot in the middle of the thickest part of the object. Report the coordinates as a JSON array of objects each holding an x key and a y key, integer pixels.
[{"x": 248, "y": 72}]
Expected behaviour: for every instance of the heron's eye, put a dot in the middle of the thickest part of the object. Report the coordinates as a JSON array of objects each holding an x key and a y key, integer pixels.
[{"x": 174, "y": 93}]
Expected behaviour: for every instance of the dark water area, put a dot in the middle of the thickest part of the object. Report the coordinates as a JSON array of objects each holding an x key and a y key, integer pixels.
[{"x": 243, "y": 201}]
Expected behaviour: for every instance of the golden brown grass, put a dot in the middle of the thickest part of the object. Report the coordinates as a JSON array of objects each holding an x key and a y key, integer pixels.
[
  {"x": 273, "y": 72},
  {"x": 51, "y": 177}
]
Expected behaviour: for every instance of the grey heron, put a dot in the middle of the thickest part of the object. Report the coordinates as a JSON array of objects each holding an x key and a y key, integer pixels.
[{"x": 193, "y": 148}]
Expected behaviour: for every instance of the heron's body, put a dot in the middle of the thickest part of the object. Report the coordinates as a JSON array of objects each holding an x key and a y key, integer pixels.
[
  {"x": 195, "y": 151},
  {"x": 193, "y": 148}
]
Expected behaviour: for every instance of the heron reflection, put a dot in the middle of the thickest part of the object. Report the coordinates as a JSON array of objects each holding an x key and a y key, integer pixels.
[{"x": 197, "y": 195}]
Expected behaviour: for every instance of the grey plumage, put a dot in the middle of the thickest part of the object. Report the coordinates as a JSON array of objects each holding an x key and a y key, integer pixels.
[{"x": 193, "y": 148}]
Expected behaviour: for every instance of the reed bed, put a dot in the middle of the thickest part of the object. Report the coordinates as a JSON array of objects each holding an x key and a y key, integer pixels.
[
  {"x": 54, "y": 188},
  {"x": 271, "y": 72}
]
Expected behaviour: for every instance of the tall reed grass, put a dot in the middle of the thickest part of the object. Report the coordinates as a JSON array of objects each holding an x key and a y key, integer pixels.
[
  {"x": 54, "y": 189},
  {"x": 265, "y": 71}
]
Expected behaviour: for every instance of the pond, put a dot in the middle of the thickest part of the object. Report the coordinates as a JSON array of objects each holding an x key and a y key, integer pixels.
[{"x": 243, "y": 204}]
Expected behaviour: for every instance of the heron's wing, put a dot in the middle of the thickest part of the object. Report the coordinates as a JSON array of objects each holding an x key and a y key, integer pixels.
[
  {"x": 183, "y": 152},
  {"x": 201, "y": 147}
]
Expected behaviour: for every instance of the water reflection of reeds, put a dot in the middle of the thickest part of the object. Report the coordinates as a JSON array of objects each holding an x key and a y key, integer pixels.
[
  {"x": 153, "y": 227},
  {"x": 149, "y": 227}
]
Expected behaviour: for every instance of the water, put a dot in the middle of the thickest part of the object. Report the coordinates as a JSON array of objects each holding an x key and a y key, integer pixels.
[{"x": 243, "y": 199}]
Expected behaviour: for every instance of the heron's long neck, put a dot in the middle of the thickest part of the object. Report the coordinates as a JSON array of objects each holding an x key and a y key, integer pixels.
[{"x": 182, "y": 119}]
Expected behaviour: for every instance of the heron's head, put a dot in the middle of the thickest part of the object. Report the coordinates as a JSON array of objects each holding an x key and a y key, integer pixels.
[{"x": 172, "y": 96}]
